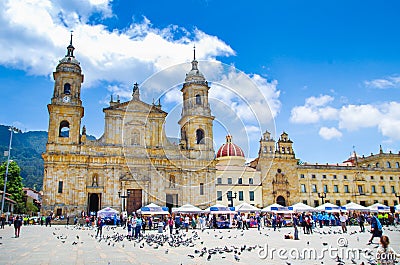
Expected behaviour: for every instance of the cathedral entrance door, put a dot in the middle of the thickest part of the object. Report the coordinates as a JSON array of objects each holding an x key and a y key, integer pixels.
[
  {"x": 94, "y": 202},
  {"x": 280, "y": 200},
  {"x": 171, "y": 200},
  {"x": 134, "y": 201}
]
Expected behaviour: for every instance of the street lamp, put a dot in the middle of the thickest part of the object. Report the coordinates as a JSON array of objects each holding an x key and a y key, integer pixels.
[
  {"x": 12, "y": 130},
  {"x": 230, "y": 198},
  {"x": 123, "y": 196},
  {"x": 322, "y": 195}
]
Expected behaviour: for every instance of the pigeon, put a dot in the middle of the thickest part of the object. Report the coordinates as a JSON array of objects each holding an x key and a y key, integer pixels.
[
  {"x": 236, "y": 257},
  {"x": 191, "y": 256}
]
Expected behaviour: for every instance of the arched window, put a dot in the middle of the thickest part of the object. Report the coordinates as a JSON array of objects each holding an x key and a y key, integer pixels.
[
  {"x": 67, "y": 88},
  {"x": 198, "y": 99},
  {"x": 264, "y": 149},
  {"x": 377, "y": 165},
  {"x": 388, "y": 164},
  {"x": 397, "y": 165},
  {"x": 200, "y": 136},
  {"x": 64, "y": 129}
]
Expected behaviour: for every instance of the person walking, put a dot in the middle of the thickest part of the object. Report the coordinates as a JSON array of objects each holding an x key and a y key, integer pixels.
[
  {"x": 258, "y": 218},
  {"x": 273, "y": 221},
  {"x": 376, "y": 228},
  {"x": 17, "y": 225},
  {"x": 170, "y": 224},
  {"x": 100, "y": 225},
  {"x": 320, "y": 219},
  {"x": 343, "y": 220},
  {"x": 129, "y": 227},
  {"x": 244, "y": 222},
  {"x": 186, "y": 222},
  {"x": 138, "y": 226},
  {"x": 361, "y": 221},
  {"x": 295, "y": 225},
  {"x": 2, "y": 221}
]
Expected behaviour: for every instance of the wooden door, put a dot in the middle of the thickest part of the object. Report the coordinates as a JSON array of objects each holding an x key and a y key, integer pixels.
[{"x": 134, "y": 201}]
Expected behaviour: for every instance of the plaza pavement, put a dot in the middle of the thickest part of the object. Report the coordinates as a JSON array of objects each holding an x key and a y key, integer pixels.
[{"x": 40, "y": 245}]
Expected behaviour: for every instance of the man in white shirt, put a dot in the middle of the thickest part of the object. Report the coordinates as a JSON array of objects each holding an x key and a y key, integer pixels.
[{"x": 343, "y": 220}]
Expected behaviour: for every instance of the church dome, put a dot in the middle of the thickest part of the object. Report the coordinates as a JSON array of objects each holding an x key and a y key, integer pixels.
[
  {"x": 69, "y": 62},
  {"x": 194, "y": 75},
  {"x": 229, "y": 149}
]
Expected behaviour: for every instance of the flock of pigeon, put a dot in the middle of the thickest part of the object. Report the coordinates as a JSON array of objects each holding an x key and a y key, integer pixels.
[{"x": 196, "y": 246}]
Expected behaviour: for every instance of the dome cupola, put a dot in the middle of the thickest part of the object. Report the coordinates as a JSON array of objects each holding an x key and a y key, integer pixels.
[{"x": 229, "y": 149}]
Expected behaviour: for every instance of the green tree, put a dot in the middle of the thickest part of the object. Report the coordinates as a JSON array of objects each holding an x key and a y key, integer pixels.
[
  {"x": 31, "y": 209},
  {"x": 14, "y": 184}
]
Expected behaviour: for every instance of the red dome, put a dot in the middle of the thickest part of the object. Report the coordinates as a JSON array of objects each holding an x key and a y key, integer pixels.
[{"x": 229, "y": 149}]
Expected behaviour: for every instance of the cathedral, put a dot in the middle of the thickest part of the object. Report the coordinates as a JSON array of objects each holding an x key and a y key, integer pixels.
[{"x": 133, "y": 163}]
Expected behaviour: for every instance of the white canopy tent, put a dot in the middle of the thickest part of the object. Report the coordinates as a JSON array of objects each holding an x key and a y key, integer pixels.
[
  {"x": 107, "y": 212},
  {"x": 330, "y": 208},
  {"x": 352, "y": 206},
  {"x": 378, "y": 207},
  {"x": 153, "y": 209},
  {"x": 245, "y": 208},
  {"x": 187, "y": 208},
  {"x": 268, "y": 208},
  {"x": 220, "y": 209},
  {"x": 301, "y": 207}
]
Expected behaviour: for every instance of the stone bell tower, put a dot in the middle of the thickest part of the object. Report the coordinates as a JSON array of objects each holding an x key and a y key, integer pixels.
[
  {"x": 66, "y": 109},
  {"x": 196, "y": 120}
]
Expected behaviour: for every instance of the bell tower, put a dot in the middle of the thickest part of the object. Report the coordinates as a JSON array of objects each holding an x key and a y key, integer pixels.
[
  {"x": 65, "y": 110},
  {"x": 196, "y": 120},
  {"x": 267, "y": 146}
]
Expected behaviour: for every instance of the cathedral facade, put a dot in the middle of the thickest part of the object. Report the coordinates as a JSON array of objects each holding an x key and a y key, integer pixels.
[{"x": 133, "y": 163}]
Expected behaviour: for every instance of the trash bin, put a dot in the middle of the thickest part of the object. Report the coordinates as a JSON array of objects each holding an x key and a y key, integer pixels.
[{"x": 160, "y": 227}]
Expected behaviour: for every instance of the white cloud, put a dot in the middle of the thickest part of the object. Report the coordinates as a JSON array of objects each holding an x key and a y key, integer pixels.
[
  {"x": 304, "y": 114},
  {"x": 314, "y": 110},
  {"x": 383, "y": 83},
  {"x": 329, "y": 133},
  {"x": 36, "y": 33},
  {"x": 322, "y": 100},
  {"x": 353, "y": 117},
  {"x": 35, "y": 45},
  {"x": 385, "y": 117}
]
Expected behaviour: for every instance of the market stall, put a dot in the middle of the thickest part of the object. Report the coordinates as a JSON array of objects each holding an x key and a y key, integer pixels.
[
  {"x": 153, "y": 209},
  {"x": 378, "y": 207},
  {"x": 301, "y": 207},
  {"x": 188, "y": 209},
  {"x": 355, "y": 207},
  {"x": 330, "y": 208},
  {"x": 222, "y": 214},
  {"x": 268, "y": 209}
]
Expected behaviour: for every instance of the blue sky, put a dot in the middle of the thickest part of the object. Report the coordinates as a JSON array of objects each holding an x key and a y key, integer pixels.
[{"x": 328, "y": 70}]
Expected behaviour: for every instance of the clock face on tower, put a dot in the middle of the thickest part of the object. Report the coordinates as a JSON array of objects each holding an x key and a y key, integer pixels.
[{"x": 66, "y": 99}]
